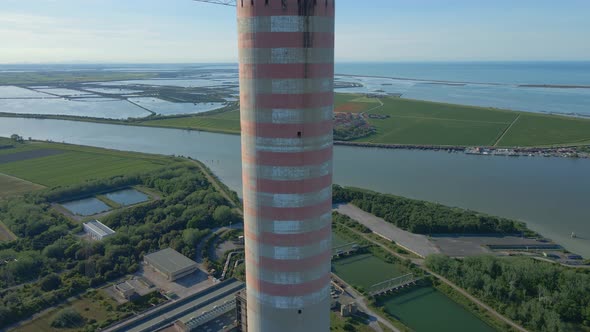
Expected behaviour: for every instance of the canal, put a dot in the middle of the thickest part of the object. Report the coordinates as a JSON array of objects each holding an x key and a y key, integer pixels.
[{"x": 550, "y": 194}]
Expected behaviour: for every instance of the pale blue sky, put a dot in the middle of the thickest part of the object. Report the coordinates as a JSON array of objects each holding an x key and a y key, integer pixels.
[{"x": 158, "y": 31}]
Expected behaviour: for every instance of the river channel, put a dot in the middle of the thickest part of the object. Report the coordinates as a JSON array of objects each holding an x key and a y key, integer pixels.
[{"x": 550, "y": 194}]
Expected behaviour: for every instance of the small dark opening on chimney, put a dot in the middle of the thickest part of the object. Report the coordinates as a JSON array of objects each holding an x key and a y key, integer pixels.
[
  {"x": 299, "y": 311},
  {"x": 299, "y": 134}
]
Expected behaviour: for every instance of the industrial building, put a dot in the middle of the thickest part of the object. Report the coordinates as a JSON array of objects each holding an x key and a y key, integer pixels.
[
  {"x": 170, "y": 263},
  {"x": 212, "y": 309},
  {"x": 125, "y": 290},
  {"x": 241, "y": 311},
  {"x": 98, "y": 230},
  {"x": 286, "y": 53}
]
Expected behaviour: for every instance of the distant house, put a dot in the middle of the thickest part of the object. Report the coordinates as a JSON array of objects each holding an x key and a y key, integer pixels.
[
  {"x": 172, "y": 264},
  {"x": 98, "y": 230}
]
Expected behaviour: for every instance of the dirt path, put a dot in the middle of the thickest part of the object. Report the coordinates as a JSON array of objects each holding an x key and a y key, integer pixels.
[
  {"x": 507, "y": 130},
  {"x": 473, "y": 299},
  {"x": 376, "y": 107},
  {"x": 6, "y": 234}
]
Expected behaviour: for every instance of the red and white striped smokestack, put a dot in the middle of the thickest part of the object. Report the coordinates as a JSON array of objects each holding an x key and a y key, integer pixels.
[{"x": 287, "y": 95}]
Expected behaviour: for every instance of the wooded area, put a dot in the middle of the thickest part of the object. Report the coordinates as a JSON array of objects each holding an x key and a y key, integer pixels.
[
  {"x": 541, "y": 296},
  {"x": 425, "y": 217},
  {"x": 60, "y": 264}
]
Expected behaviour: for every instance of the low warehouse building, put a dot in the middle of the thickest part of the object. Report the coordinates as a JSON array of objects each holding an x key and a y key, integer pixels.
[
  {"x": 172, "y": 264},
  {"x": 98, "y": 230}
]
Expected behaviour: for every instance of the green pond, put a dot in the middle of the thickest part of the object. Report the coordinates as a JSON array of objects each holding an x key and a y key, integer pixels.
[
  {"x": 425, "y": 309},
  {"x": 365, "y": 270}
]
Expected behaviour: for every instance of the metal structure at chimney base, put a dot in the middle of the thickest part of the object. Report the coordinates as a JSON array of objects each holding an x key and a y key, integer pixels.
[{"x": 286, "y": 50}]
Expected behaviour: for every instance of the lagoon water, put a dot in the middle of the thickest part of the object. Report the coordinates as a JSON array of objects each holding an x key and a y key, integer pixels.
[
  {"x": 87, "y": 107},
  {"x": 563, "y": 73},
  {"x": 550, "y": 194},
  {"x": 164, "y": 107},
  {"x": 480, "y": 84}
]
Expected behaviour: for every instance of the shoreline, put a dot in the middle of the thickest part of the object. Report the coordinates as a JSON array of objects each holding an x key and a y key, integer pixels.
[
  {"x": 462, "y": 83},
  {"x": 560, "y": 151}
]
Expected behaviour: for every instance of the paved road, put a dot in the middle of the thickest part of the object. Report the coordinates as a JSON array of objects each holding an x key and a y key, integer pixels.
[
  {"x": 418, "y": 244},
  {"x": 473, "y": 299}
]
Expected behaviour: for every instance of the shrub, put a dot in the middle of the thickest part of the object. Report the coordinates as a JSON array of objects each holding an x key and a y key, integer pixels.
[{"x": 68, "y": 318}]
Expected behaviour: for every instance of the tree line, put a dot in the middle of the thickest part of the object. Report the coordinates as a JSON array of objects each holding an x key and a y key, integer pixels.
[
  {"x": 425, "y": 217},
  {"x": 539, "y": 295}
]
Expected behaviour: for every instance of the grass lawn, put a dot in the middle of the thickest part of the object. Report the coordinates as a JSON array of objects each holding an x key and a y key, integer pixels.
[
  {"x": 365, "y": 270},
  {"x": 539, "y": 129},
  {"x": 98, "y": 307},
  {"x": 415, "y": 122},
  {"x": 226, "y": 122},
  {"x": 339, "y": 240},
  {"x": 353, "y": 103},
  {"x": 78, "y": 164},
  {"x": 429, "y": 123},
  {"x": 426, "y": 123},
  {"x": 10, "y": 186}
]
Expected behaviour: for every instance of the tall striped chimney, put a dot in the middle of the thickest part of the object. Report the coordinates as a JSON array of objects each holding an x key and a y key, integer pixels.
[{"x": 286, "y": 52}]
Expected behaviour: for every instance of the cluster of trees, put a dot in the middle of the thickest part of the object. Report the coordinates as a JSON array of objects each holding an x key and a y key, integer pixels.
[
  {"x": 59, "y": 194},
  {"x": 424, "y": 217},
  {"x": 67, "y": 318},
  {"x": 59, "y": 264},
  {"x": 353, "y": 131},
  {"x": 541, "y": 296},
  {"x": 17, "y": 138}
]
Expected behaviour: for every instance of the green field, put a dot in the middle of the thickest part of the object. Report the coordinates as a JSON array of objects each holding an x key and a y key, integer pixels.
[
  {"x": 538, "y": 129},
  {"x": 91, "y": 307},
  {"x": 353, "y": 103},
  {"x": 227, "y": 122},
  {"x": 339, "y": 240},
  {"x": 415, "y": 122},
  {"x": 10, "y": 186},
  {"x": 78, "y": 164},
  {"x": 364, "y": 270},
  {"x": 428, "y": 123}
]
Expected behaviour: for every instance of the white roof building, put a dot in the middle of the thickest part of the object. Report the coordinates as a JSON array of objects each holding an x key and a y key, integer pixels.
[{"x": 98, "y": 230}]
